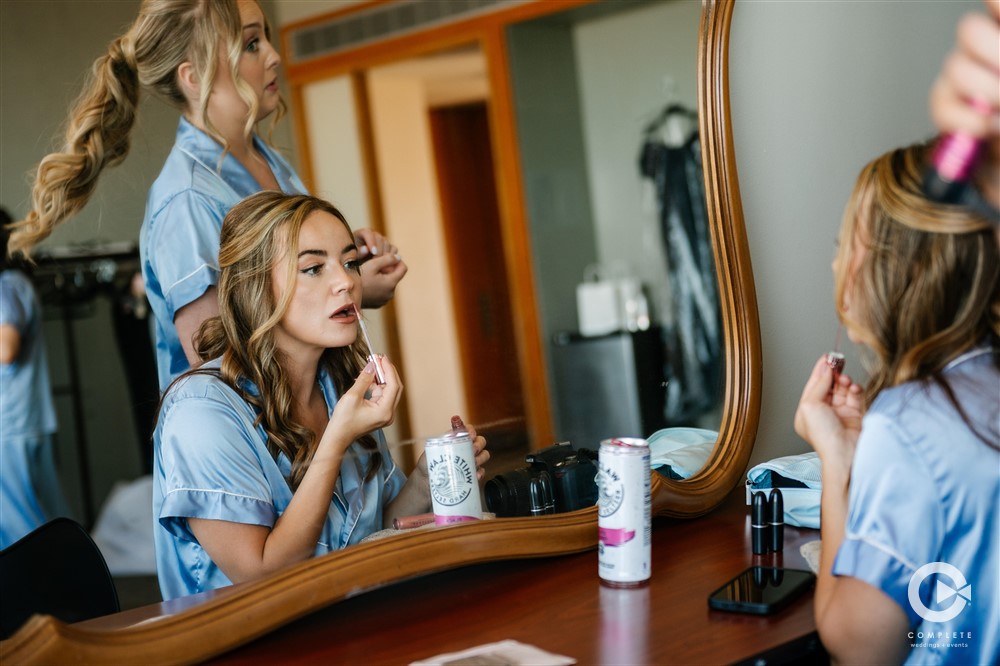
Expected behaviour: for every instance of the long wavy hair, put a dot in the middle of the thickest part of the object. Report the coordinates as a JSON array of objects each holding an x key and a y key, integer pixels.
[
  {"x": 926, "y": 288},
  {"x": 165, "y": 34},
  {"x": 256, "y": 233}
]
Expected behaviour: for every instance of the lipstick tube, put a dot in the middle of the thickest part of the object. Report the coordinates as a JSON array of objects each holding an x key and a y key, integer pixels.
[
  {"x": 409, "y": 522},
  {"x": 759, "y": 540},
  {"x": 776, "y": 514}
]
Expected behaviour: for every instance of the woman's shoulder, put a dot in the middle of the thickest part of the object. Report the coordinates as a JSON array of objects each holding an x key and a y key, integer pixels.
[
  {"x": 204, "y": 383},
  {"x": 963, "y": 375},
  {"x": 919, "y": 411},
  {"x": 190, "y": 175}
]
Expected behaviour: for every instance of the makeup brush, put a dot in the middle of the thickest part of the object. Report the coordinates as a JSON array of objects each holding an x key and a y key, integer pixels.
[{"x": 948, "y": 177}]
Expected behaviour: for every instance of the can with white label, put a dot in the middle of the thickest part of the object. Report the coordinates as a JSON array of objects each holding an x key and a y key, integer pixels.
[
  {"x": 451, "y": 469},
  {"x": 624, "y": 512}
]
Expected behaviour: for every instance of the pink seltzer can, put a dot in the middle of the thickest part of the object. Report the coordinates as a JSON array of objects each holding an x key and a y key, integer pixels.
[
  {"x": 451, "y": 469},
  {"x": 624, "y": 512}
]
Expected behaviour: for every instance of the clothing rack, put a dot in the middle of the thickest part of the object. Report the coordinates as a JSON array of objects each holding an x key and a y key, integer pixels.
[{"x": 68, "y": 279}]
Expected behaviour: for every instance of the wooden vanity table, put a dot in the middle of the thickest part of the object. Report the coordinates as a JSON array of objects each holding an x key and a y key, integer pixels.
[
  {"x": 554, "y": 602},
  {"x": 559, "y": 605}
]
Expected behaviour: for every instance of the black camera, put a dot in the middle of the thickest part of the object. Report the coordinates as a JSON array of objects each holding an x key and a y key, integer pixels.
[{"x": 557, "y": 479}]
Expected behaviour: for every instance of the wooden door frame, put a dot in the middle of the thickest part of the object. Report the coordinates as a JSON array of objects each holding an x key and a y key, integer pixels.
[{"x": 488, "y": 31}]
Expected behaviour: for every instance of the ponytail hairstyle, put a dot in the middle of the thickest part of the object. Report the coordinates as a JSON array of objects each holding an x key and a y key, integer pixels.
[
  {"x": 926, "y": 286},
  {"x": 166, "y": 34},
  {"x": 256, "y": 233}
]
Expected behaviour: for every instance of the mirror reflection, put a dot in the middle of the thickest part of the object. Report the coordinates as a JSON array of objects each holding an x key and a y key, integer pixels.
[
  {"x": 616, "y": 206},
  {"x": 600, "y": 154},
  {"x": 629, "y": 335}
]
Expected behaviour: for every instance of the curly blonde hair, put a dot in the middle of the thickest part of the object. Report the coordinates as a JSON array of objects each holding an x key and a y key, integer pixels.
[
  {"x": 255, "y": 233},
  {"x": 926, "y": 287},
  {"x": 164, "y": 35}
]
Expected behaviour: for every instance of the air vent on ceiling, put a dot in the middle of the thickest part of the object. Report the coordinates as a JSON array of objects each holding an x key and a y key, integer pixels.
[{"x": 383, "y": 21}]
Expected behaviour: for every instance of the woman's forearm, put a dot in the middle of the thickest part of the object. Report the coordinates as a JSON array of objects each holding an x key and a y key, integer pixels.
[
  {"x": 413, "y": 498},
  {"x": 247, "y": 552},
  {"x": 294, "y": 535},
  {"x": 833, "y": 506}
]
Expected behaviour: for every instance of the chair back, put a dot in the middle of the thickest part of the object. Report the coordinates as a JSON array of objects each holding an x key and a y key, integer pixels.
[{"x": 55, "y": 570}]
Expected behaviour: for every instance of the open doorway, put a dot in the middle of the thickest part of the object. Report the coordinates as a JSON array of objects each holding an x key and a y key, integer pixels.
[
  {"x": 470, "y": 215},
  {"x": 432, "y": 140}
]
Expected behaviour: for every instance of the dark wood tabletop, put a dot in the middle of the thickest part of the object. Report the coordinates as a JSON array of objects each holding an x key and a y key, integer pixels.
[{"x": 559, "y": 605}]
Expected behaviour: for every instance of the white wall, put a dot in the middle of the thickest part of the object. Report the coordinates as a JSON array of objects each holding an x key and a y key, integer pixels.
[
  {"x": 818, "y": 89},
  {"x": 660, "y": 44}
]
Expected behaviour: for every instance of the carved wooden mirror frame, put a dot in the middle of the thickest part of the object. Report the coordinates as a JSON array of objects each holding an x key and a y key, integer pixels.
[{"x": 234, "y": 616}]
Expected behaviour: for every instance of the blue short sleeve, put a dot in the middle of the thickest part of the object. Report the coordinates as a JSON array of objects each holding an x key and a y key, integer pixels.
[
  {"x": 184, "y": 248},
  {"x": 211, "y": 467},
  {"x": 12, "y": 311},
  {"x": 894, "y": 519}
]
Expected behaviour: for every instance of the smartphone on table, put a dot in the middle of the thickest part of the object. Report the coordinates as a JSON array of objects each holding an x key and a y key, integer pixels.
[{"x": 761, "y": 590}]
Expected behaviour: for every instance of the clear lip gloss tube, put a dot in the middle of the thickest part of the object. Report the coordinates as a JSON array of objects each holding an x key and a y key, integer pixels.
[{"x": 379, "y": 375}]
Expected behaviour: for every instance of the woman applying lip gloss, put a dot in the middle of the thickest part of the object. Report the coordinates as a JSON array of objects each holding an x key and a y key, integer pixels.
[
  {"x": 910, "y": 559},
  {"x": 911, "y": 460},
  {"x": 270, "y": 452}
]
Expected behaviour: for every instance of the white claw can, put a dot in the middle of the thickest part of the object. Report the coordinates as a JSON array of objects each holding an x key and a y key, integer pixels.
[
  {"x": 624, "y": 512},
  {"x": 451, "y": 469}
]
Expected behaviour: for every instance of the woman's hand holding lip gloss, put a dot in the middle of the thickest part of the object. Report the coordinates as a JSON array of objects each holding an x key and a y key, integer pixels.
[{"x": 836, "y": 362}]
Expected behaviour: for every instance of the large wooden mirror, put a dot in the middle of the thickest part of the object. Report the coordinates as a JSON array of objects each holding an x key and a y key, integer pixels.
[{"x": 221, "y": 620}]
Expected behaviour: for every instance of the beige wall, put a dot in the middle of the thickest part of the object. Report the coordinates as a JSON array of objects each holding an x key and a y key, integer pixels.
[
  {"x": 428, "y": 338},
  {"x": 660, "y": 44}
]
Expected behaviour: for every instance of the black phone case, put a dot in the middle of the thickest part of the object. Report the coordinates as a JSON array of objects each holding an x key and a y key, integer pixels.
[{"x": 766, "y": 574}]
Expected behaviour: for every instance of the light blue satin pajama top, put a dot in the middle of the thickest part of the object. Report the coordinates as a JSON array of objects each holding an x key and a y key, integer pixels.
[
  {"x": 179, "y": 239},
  {"x": 29, "y": 486},
  {"x": 925, "y": 490},
  {"x": 212, "y": 462}
]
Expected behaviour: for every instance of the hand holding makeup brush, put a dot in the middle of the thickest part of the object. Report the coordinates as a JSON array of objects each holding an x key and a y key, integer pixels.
[{"x": 965, "y": 98}]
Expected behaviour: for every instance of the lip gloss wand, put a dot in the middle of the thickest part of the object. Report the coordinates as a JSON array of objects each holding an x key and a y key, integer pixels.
[{"x": 379, "y": 375}]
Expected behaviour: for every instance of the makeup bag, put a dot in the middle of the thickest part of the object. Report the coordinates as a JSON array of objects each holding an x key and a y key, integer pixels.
[
  {"x": 800, "y": 482},
  {"x": 678, "y": 453}
]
